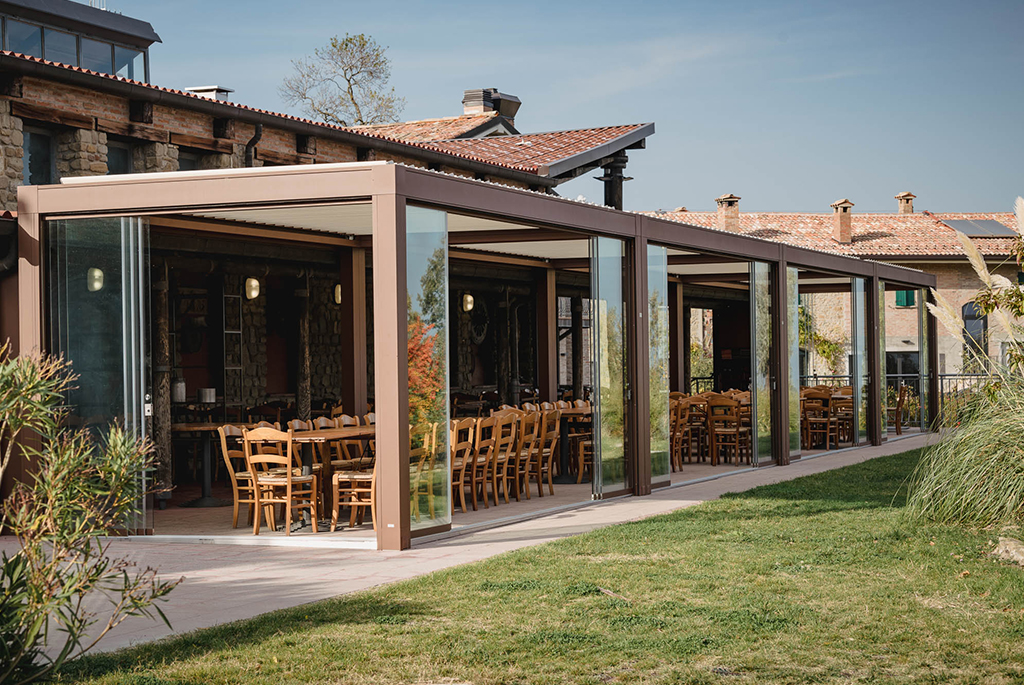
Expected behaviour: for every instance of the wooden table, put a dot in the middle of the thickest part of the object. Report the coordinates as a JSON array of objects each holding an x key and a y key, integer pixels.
[
  {"x": 206, "y": 498},
  {"x": 564, "y": 476},
  {"x": 307, "y": 438}
]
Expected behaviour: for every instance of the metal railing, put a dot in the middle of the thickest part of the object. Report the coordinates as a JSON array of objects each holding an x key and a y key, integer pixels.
[
  {"x": 955, "y": 390},
  {"x": 834, "y": 380},
  {"x": 699, "y": 384}
]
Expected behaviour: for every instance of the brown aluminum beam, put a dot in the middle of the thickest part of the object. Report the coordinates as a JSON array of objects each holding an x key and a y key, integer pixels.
[
  {"x": 391, "y": 372},
  {"x": 677, "y": 349},
  {"x": 512, "y": 235},
  {"x": 497, "y": 258},
  {"x": 547, "y": 335},
  {"x": 683, "y": 260},
  {"x": 713, "y": 278},
  {"x": 933, "y": 367},
  {"x": 244, "y": 230},
  {"x": 353, "y": 335},
  {"x": 779, "y": 363}
]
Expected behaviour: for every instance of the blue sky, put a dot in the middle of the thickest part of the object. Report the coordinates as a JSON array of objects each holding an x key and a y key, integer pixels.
[{"x": 790, "y": 105}]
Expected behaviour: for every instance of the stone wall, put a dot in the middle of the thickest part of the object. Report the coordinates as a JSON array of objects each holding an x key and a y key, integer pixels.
[
  {"x": 325, "y": 339},
  {"x": 12, "y": 157},
  {"x": 254, "y": 342},
  {"x": 81, "y": 153}
]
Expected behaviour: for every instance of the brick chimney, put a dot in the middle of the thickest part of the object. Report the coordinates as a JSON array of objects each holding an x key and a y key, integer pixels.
[
  {"x": 842, "y": 230},
  {"x": 729, "y": 213},
  {"x": 481, "y": 100},
  {"x": 906, "y": 200}
]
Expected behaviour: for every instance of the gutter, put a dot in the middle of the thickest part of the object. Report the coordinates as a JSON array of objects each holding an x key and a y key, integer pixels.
[{"x": 156, "y": 96}]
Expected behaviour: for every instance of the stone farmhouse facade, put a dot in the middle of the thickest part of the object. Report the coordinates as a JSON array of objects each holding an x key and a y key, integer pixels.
[{"x": 916, "y": 239}]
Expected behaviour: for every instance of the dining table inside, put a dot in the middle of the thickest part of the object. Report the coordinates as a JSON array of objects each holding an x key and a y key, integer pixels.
[{"x": 308, "y": 438}]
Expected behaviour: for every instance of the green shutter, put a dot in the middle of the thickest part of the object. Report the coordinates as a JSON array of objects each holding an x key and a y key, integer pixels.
[{"x": 905, "y": 298}]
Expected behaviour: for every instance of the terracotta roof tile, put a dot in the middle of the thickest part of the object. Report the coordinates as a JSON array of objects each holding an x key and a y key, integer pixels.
[
  {"x": 530, "y": 151},
  {"x": 885, "y": 236},
  {"x": 427, "y": 130}
]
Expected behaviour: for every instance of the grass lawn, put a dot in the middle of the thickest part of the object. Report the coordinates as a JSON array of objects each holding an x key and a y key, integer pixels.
[{"x": 817, "y": 580}]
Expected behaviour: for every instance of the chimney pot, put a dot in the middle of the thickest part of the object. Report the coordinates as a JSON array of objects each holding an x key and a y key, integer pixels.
[
  {"x": 481, "y": 100},
  {"x": 842, "y": 227},
  {"x": 906, "y": 202},
  {"x": 729, "y": 213}
]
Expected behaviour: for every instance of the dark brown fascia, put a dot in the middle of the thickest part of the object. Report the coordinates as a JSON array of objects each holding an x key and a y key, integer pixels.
[{"x": 222, "y": 110}]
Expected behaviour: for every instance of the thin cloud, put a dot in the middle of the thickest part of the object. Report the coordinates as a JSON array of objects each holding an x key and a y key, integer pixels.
[{"x": 830, "y": 76}]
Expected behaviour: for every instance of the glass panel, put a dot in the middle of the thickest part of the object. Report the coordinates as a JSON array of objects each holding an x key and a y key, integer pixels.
[
  {"x": 859, "y": 354},
  {"x": 96, "y": 55},
  {"x": 606, "y": 275},
  {"x": 657, "y": 330},
  {"x": 128, "y": 63},
  {"x": 793, "y": 351},
  {"x": 427, "y": 283},
  {"x": 61, "y": 47},
  {"x": 98, "y": 276},
  {"x": 24, "y": 38},
  {"x": 38, "y": 148},
  {"x": 760, "y": 361},
  {"x": 923, "y": 363}
]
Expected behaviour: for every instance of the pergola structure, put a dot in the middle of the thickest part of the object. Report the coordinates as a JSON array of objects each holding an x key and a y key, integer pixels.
[{"x": 405, "y": 226}]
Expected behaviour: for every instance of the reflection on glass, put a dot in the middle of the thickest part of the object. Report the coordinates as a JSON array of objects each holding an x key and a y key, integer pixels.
[
  {"x": 427, "y": 284},
  {"x": 923, "y": 363},
  {"x": 606, "y": 274},
  {"x": 129, "y": 63},
  {"x": 657, "y": 328},
  {"x": 61, "y": 47},
  {"x": 859, "y": 351},
  {"x": 761, "y": 332},
  {"x": 96, "y": 55},
  {"x": 793, "y": 352},
  {"x": 24, "y": 38},
  {"x": 38, "y": 160}
]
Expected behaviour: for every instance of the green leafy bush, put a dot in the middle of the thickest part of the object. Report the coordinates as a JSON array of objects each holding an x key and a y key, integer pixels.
[{"x": 81, "y": 489}]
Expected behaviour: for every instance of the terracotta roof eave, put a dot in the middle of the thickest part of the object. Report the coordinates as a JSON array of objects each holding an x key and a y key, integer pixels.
[
  {"x": 136, "y": 90},
  {"x": 583, "y": 158}
]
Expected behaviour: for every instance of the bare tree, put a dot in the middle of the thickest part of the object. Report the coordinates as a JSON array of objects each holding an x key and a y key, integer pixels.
[{"x": 345, "y": 83}]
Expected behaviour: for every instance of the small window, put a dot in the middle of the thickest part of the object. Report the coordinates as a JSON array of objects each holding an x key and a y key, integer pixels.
[
  {"x": 24, "y": 38},
  {"x": 905, "y": 298},
  {"x": 39, "y": 158},
  {"x": 187, "y": 161},
  {"x": 119, "y": 158},
  {"x": 60, "y": 47},
  {"x": 129, "y": 63},
  {"x": 97, "y": 55}
]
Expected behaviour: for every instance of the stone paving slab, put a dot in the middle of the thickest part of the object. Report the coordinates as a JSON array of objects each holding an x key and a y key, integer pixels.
[{"x": 223, "y": 583}]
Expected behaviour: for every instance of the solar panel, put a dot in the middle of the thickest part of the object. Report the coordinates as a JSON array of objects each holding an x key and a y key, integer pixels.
[{"x": 981, "y": 228}]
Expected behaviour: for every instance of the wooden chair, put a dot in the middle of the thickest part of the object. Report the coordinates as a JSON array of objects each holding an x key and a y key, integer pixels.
[
  {"x": 728, "y": 435},
  {"x": 820, "y": 424},
  {"x": 461, "y": 441},
  {"x": 241, "y": 479},
  {"x": 547, "y": 449},
  {"x": 527, "y": 435},
  {"x": 336, "y": 411},
  {"x": 297, "y": 425},
  {"x": 422, "y": 451},
  {"x": 530, "y": 406},
  {"x": 503, "y": 458},
  {"x": 894, "y": 415},
  {"x": 480, "y": 474},
  {"x": 275, "y": 479},
  {"x": 356, "y": 490}
]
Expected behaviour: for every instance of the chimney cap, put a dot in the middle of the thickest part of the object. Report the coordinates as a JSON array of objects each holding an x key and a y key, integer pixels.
[
  {"x": 210, "y": 92},
  {"x": 905, "y": 195},
  {"x": 480, "y": 100},
  {"x": 680, "y": 209},
  {"x": 841, "y": 203},
  {"x": 727, "y": 198}
]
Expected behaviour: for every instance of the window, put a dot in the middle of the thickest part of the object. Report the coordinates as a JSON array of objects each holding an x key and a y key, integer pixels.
[
  {"x": 187, "y": 161},
  {"x": 129, "y": 63},
  {"x": 97, "y": 55},
  {"x": 60, "y": 47},
  {"x": 119, "y": 158},
  {"x": 975, "y": 335},
  {"x": 39, "y": 158},
  {"x": 24, "y": 38},
  {"x": 906, "y": 298}
]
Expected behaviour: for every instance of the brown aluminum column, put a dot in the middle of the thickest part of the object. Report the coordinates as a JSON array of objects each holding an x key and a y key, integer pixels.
[
  {"x": 391, "y": 371},
  {"x": 638, "y": 413},
  {"x": 547, "y": 336},
  {"x": 933, "y": 367},
  {"x": 876, "y": 383},
  {"x": 677, "y": 338},
  {"x": 779, "y": 363},
  {"x": 353, "y": 336}
]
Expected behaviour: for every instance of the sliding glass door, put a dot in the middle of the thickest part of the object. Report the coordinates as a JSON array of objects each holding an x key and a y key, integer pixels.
[{"x": 98, "y": 317}]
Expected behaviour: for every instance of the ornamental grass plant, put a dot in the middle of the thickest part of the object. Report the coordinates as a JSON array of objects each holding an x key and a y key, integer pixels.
[{"x": 975, "y": 475}]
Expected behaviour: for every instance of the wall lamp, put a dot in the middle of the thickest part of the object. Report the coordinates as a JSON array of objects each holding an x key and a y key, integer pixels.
[
  {"x": 467, "y": 302},
  {"x": 337, "y": 293},
  {"x": 94, "y": 279},
  {"x": 252, "y": 288}
]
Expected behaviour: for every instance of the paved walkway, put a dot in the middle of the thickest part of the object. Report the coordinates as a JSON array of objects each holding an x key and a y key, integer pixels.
[{"x": 228, "y": 583}]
